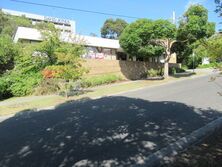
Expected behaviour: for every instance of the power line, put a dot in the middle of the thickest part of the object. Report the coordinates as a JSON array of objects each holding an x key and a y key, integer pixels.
[{"x": 74, "y": 9}]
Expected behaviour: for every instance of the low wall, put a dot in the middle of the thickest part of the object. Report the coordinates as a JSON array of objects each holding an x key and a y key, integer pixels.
[{"x": 127, "y": 69}]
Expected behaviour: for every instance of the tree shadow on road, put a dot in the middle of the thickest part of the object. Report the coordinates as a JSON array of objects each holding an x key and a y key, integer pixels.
[{"x": 116, "y": 131}]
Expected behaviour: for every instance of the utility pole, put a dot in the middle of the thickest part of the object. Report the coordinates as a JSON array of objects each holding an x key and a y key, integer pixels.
[{"x": 193, "y": 61}]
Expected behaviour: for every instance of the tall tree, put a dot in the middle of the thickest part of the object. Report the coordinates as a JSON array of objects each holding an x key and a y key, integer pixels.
[
  {"x": 113, "y": 28},
  {"x": 211, "y": 48},
  {"x": 194, "y": 26},
  {"x": 146, "y": 38},
  {"x": 218, "y": 6}
]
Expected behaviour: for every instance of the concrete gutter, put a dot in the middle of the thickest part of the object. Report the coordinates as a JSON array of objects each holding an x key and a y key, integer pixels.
[{"x": 166, "y": 155}]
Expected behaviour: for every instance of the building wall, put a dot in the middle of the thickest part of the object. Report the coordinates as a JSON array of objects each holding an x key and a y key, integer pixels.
[
  {"x": 173, "y": 58},
  {"x": 62, "y": 24},
  {"x": 127, "y": 69}
]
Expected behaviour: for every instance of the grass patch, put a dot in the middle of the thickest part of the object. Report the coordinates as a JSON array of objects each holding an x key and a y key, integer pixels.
[
  {"x": 100, "y": 80},
  {"x": 211, "y": 65},
  {"x": 17, "y": 104}
]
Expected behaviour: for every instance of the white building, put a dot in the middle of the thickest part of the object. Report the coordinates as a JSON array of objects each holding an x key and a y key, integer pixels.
[
  {"x": 98, "y": 48},
  {"x": 62, "y": 24}
]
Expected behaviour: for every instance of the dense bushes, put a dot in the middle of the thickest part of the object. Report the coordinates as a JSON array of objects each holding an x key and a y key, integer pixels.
[
  {"x": 35, "y": 64},
  {"x": 4, "y": 89},
  {"x": 211, "y": 65},
  {"x": 23, "y": 84},
  {"x": 47, "y": 86},
  {"x": 100, "y": 80},
  {"x": 25, "y": 67},
  {"x": 67, "y": 72},
  {"x": 174, "y": 70},
  {"x": 18, "y": 84},
  {"x": 7, "y": 53},
  {"x": 154, "y": 73}
]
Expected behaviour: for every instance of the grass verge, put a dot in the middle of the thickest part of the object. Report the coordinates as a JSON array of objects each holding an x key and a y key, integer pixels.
[{"x": 15, "y": 105}]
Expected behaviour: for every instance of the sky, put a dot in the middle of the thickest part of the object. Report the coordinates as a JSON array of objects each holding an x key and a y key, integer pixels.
[{"x": 87, "y": 23}]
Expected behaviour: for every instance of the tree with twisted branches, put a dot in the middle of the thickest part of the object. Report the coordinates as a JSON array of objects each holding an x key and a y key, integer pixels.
[
  {"x": 167, "y": 45},
  {"x": 146, "y": 38}
]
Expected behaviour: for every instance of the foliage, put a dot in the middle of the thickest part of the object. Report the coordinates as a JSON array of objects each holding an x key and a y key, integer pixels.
[
  {"x": 113, "y": 28},
  {"x": 22, "y": 65},
  {"x": 154, "y": 73},
  {"x": 193, "y": 62},
  {"x": 47, "y": 86},
  {"x": 67, "y": 63},
  {"x": 100, "y": 80},
  {"x": 30, "y": 60},
  {"x": 8, "y": 51},
  {"x": 138, "y": 38},
  {"x": 49, "y": 45},
  {"x": 193, "y": 27},
  {"x": 218, "y": 7},
  {"x": 4, "y": 89},
  {"x": 58, "y": 86},
  {"x": 214, "y": 47},
  {"x": 45, "y": 26},
  {"x": 210, "y": 65},
  {"x": 66, "y": 72},
  {"x": 211, "y": 48},
  {"x": 3, "y": 21},
  {"x": 15, "y": 83},
  {"x": 70, "y": 88},
  {"x": 174, "y": 70},
  {"x": 69, "y": 54},
  {"x": 23, "y": 84},
  {"x": 25, "y": 74},
  {"x": 9, "y": 24}
]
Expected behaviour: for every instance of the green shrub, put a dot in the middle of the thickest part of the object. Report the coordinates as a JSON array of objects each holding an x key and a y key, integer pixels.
[
  {"x": 8, "y": 51},
  {"x": 174, "y": 70},
  {"x": 66, "y": 72},
  {"x": 15, "y": 84},
  {"x": 4, "y": 88},
  {"x": 23, "y": 84},
  {"x": 210, "y": 65},
  {"x": 154, "y": 73},
  {"x": 47, "y": 86},
  {"x": 191, "y": 61},
  {"x": 100, "y": 80}
]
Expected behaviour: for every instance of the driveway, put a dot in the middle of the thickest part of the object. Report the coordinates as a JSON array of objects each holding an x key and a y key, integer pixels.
[{"x": 111, "y": 131}]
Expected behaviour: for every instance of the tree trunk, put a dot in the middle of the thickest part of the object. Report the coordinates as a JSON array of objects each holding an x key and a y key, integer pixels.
[{"x": 166, "y": 69}]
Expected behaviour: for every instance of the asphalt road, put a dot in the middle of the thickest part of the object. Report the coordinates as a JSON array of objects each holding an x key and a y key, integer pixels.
[
  {"x": 199, "y": 92},
  {"x": 111, "y": 131}
]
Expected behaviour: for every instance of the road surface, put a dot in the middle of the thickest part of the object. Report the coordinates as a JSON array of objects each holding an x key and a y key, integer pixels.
[{"x": 111, "y": 131}]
